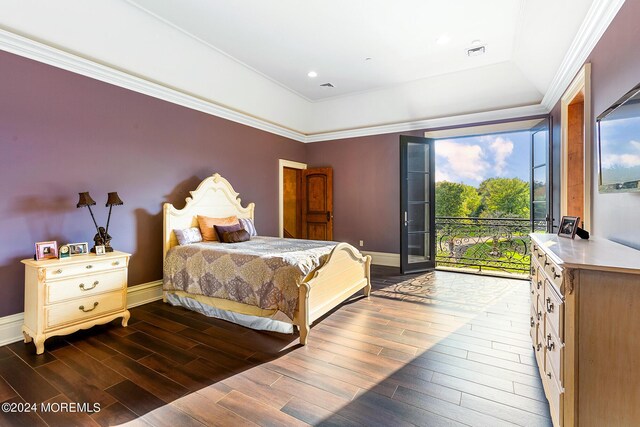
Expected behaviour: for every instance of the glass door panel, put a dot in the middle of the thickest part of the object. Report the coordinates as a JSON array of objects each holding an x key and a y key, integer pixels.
[{"x": 540, "y": 191}]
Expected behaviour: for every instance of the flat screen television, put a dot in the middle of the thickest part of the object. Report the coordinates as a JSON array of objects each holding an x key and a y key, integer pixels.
[{"x": 619, "y": 145}]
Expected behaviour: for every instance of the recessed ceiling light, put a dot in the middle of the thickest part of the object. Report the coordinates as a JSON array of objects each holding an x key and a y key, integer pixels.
[
  {"x": 476, "y": 50},
  {"x": 443, "y": 39},
  {"x": 312, "y": 74},
  {"x": 476, "y": 43},
  {"x": 368, "y": 58}
]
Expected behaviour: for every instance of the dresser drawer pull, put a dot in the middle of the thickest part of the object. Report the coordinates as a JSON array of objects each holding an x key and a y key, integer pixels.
[
  {"x": 556, "y": 276},
  {"x": 115, "y": 263},
  {"x": 539, "y": 315},
  {"x": 549, "y": 375},
  {"x": 532, "y": 292},
  {"x": 58, "y": 271},
  {"x": 81, "y": 308},
  {"x": 89, "y": 267},
  {"x": 546, "y": 263},
  {"x": 549, "y": 305},
  {"x": 540, "y": 255},
  {"x": 88, "y": 289},
  {"x": 532, "y": 322},
  {"x": 533, "y": 271},
  {"x": 550, "y": 344},
  {"x": 538, "y": 347},
  {"x": 539, "y": 284}
]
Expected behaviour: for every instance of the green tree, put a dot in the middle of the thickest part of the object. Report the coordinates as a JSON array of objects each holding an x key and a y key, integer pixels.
[
  {"x": 456, "y": 200},
  {"x": 504, "y": 197}
]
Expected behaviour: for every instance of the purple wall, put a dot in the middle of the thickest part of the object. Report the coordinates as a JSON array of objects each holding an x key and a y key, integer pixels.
[
  {"x": 61, "y": 133},
  {"x": 615, "y": 69}
]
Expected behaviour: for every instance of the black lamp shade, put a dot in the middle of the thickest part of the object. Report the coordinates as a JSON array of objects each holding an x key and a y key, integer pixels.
[
  {"x": 85, "y": 200},
  {"x": 113, "y": 199}
]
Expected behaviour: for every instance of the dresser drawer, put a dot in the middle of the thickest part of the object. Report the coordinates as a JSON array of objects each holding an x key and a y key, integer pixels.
[
  {"x": 82, "y": 286},
  {"x": 554, "y": 307},
  {"x": 90, "y": 264},
  {"x": 82, "y": 309},
  {"x": 553, "y": 272},
  {"x": 555, "y": 394},
  {"x": 554, "y": 351}
]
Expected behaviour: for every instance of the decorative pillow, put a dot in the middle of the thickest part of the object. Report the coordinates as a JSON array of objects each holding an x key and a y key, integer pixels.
[
  {"x": 241, "y": 235},
  {"x": 248, "y": 225},
  {"x": 188, "y": 236},
  {"x": 226, "y": 229},
  {"x": 206, "y": 226}
]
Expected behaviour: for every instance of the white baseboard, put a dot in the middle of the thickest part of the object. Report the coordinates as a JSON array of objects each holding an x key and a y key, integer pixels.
[
  {"x": 11, "y": 326},
  {"x": 384, "y": 258}
]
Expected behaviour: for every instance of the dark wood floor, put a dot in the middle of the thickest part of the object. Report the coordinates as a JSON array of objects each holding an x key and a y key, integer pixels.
[{"x": 434, "y": 349}]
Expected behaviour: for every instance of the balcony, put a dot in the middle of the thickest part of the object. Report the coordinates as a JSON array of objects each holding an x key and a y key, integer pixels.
[{"x": 485, "y": 244}]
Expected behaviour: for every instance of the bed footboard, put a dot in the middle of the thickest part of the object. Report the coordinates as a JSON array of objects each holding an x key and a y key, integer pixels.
[{"x": 345, "y": 272}]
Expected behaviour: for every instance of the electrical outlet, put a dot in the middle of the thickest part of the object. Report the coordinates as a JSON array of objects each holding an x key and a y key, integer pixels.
[{"x": 361, "y": 243}]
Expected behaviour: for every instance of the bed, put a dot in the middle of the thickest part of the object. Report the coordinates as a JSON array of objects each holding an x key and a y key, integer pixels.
[{"x": 321, "y": 275}]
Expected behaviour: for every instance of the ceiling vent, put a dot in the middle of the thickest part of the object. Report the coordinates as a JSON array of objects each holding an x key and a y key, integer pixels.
[
  {"x": 476, "y": 50},
  {"x": 327, "y": 85}
]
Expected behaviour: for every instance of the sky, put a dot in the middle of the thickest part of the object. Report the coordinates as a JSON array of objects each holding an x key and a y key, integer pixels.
[
  {"x": 471, "y": 160},
  {"x": 620, "y": 150}
]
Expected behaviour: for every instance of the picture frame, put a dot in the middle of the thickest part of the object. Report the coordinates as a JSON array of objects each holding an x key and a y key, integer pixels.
[
  {"x": 568, "y": 226},
  {"x": 101, "y": 250},
  {"x": 46, "y": 250},
  {"x": 76, "y": 249}
]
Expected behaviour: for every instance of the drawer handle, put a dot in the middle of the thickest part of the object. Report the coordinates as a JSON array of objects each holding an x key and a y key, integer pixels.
[
  {"x": 533, "y": 271},
  {"x": 538, "y": 347},
  {"x": 556, "y": 276},
  {"x": 539, "y": 315},
  {"x": 550, "y": 344},
  {"x": 540, "y": 255},
  {"x": 88, "y": 289},
  {"x": 546, "y": 263},
  {"x": 549, "y": 305},
  {"x": 532, "y": 322},
  {"x": 549, "y": 375},
  {"x": 89, "y": 267},
  {"x": 58, "y": 271},
  {"x": 115, "y": 263},
  {"x": 532, "y": 291},
  {"x": 95, "y": 304},
  {"x": 539, "y": 284}
]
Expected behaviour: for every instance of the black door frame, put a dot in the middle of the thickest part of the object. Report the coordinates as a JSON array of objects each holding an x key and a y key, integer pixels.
[{"x": 405, "y": 266}]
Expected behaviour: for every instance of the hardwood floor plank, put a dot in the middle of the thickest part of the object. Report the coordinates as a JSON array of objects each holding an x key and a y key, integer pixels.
[
  {"x": 73, "y": 385},
  {"x": 209, "y": 413},
  {"x": 161, "y": 347},
  {"x": 88, "y": 367},
  {"x": 173, "y": 339},
  {"x": 256, "y": 411},
  {"x": 158, "y": 320},
  {"x": 113, "y": 415},
  {"x": 159, "y": 385},
  {"x": 315, "y": 415},
  {"x": 6, "y": 391},
  {"x": 125, "y": 346},
  {"x": 27, "y": 352},
  {"x": 226, "y": 346},
  {"x": 29, "y": 385},
  {"x": 504, "y": 412},
  {"x": 311, "y": 394},
  {"x": 135, "y": 398},
  {"x": 93, "y": 347},
  {"x": 20, "y": 418},
  {"x": 261, "y": 392}
]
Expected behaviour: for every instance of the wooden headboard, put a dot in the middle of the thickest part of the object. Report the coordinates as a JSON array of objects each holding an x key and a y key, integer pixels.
[{"x": 214, "y": 197}]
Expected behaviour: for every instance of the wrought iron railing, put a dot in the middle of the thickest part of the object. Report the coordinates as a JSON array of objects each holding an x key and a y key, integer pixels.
[{"x": 494, "y": 244}]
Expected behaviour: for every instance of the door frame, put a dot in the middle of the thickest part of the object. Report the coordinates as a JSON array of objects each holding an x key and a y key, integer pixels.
[
  {"x": 404, "y": 200},
  {"x": 581, "y": 83},
  {"x": 282, "y": 163}
]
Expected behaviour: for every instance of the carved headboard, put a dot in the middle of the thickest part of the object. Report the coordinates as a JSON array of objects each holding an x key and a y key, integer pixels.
[{"x": 214, "y": 197}]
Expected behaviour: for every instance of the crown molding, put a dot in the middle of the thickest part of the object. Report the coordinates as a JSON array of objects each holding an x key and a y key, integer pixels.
[
  {"x": 465, "y": 119},
  {"x": 598, "y": 19},
  {"x": 41, "y": 52}
]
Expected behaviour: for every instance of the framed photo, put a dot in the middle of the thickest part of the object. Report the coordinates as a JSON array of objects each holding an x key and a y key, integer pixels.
[
  {"x": 100, "y": 250},
  {"x": 78, "y": 248},
  {"x": 46, "y": 250},
  {"x": 568, "y": 226}
]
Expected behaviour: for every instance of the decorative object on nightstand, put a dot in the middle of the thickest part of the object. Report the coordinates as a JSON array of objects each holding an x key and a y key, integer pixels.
[
  {"x": 568, "y": 226},
  {"x": 62, "y": 296},
  {"x": 46, "y": 250},
  {"x": 63, "y": 251},
  {"x": 102, "y": 237}
]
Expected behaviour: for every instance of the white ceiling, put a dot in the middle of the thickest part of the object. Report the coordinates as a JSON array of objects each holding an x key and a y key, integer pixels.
[{"x": 252, "y": 56}]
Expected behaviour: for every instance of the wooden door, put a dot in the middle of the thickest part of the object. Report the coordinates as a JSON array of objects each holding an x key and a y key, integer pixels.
[{"x": 317, "y": 204}]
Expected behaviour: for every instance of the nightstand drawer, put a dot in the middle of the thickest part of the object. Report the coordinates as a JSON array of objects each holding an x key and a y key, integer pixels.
[
  {"x": 83, "y": 286},
  {"x": 90, "y": 265},
  {"x": 83, "y": 308}
]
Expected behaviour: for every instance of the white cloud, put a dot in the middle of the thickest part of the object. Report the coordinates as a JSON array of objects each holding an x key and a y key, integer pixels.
[
  {"x": 626, "y": 160},
  {"x": 463, "y": 161},
  {"x": 502, "y": 150},
  {"x": 635, "y": 144}
]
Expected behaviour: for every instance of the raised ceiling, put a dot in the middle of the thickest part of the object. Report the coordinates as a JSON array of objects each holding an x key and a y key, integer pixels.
[{"x": 253, "y": 56}]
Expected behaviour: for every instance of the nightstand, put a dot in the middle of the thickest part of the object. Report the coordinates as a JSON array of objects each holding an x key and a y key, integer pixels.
[{"x": 62, "y": 296}]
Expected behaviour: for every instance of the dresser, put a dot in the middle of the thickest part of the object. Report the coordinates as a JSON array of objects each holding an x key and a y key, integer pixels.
[
  {"x": 62, "y": 296},
  {"x": 585, "y": 329}
]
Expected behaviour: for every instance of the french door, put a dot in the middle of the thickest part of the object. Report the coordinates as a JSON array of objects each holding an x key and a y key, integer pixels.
[
  {"x": 417, "y": 204},
  {"x": 541, "y": 200}
]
